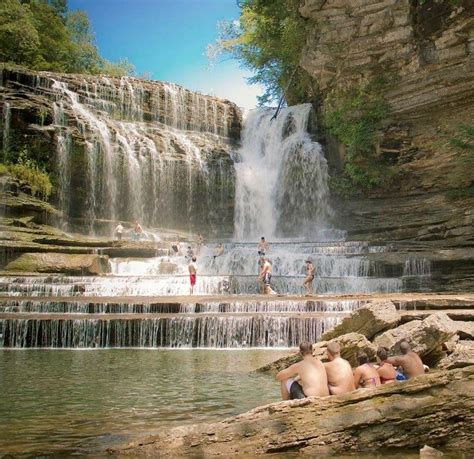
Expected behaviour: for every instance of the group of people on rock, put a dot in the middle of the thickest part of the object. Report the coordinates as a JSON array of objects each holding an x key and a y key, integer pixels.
[{"x": 311, "y": 377}]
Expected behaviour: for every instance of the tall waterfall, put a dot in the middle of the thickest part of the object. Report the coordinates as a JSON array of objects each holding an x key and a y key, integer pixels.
[{"x": 281, "y": 179}]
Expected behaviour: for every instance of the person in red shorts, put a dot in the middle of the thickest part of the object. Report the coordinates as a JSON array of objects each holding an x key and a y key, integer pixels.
[{"x": 192, "y": 268}]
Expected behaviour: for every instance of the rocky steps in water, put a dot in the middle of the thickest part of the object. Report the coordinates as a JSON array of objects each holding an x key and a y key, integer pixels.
[
  {"x": 425, "y": 51},
  {"x": 435, "y": 409}
]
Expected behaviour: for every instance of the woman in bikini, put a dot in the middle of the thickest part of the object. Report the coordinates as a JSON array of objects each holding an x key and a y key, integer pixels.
[
  {"x": 385, "y": 370},
  {"x": 365, "y": 375}
]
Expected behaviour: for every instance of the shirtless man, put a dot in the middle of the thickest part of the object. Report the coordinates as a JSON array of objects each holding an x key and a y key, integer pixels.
[
  {"x": 266, "y": 276},
  {"x": 339, "y": 371},
  {"x": 311, "y": 375},
  {"x": 365, "y": 375},
  {"x": 192, "y": 268},
  {"x": 308, "y": 282},
  {"x": 263, "y": 247},
  {"x": 410, "y": 362}
]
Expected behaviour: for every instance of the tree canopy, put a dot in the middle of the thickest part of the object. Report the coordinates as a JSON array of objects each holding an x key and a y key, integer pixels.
[
  {"x": 45, "y": 35},
  {"x": 267, "y": 39}
]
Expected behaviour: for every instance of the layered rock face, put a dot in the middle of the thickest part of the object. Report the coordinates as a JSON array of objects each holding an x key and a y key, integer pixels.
[
  {"x": 125, "y": 149},
  {"x": 425, "y": 50}
]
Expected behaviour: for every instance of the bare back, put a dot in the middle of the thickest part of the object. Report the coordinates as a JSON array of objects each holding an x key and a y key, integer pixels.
[
  {"x": 411, "y": 364},
  {"x": 313, "y": 376},
  {"x": 366, "y": 375},
  {"x": 340, "y": 377}
]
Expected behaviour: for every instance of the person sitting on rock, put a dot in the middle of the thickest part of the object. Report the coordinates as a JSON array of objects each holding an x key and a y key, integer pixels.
[
  {"x": 409, "y": 362},
  {"x": 365, "y": 375},
  {"x": 339, "y": 371},
  {"x": 385, "y": 370},
  {"x": 310, "y": 373}
]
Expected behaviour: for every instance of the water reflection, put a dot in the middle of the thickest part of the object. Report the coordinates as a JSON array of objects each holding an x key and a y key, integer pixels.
[{"x": 83, "y": 401}]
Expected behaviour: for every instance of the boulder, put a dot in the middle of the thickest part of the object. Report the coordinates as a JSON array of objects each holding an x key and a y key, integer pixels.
[
  {"x": 424, "y": 335},
  {"x": 60, "y": 263},
  {"x": 434, "y": 408},
  {"x": 351, "y": 344},
  {"x": 462, "y": 356},
  {"x": 428, "y": 451},
  {"x": 166, "y": 267},
  {"x": 370, "y": 319}
]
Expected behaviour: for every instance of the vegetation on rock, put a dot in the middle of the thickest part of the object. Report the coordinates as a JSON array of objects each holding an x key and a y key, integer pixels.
[
  {"x": 45, "y": 35},
  {"x": 268, "y": 39}
]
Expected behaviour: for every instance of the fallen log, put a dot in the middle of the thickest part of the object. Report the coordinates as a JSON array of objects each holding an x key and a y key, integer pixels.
[{"x": 436, "y": 408}]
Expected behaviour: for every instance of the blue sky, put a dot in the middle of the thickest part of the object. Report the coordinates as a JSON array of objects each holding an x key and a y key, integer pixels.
[{"x": 168, "y": 39}]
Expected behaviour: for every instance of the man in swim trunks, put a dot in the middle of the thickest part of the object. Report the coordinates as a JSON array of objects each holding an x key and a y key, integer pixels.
[
  {"x": 385, "y": 370},
  {"x": 311, "y": 375},
  {"x": 365, "y": 375},
  {"x": 192, "y": 268},
  {"x": 266, "y": 276},
  {"x": 410, "y": 362},
  {"x": 339, "y": 371},
  {"x": 308, "y": 282},
  {"x": 263, "y": 247}
]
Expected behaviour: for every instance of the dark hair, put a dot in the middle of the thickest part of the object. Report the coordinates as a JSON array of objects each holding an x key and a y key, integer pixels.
[
  {"x": 362, "y": 357},
  {"x": 308, "y": 261},
  {"x": 405, "y": 347},
  {"x": 194, "y": 258},
  {"x": 262, "y": 237},
  {"x": 382, "y": 353},
  {"x": 306, "y": 348}
]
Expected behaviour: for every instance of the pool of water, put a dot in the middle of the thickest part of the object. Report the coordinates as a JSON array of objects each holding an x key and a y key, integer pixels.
[{"x": 66, "y": 402}]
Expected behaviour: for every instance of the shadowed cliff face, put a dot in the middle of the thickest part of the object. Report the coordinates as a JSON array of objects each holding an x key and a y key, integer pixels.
[
  {"x": 125, "y": 149},
  {"x": 425, "y": 52}
]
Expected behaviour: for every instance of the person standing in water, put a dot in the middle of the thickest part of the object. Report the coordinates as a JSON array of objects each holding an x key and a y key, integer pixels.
[
  {"x": 266, "y": 276},
  {"x": 119, "y": 231},
  {"x": 308, "y": 281},
  {"x": 137, "y": 231},
  {"x": 219, "y": 250},
  {"x": 263, "y": 247},
  {"x": 192, "y": 268},
  {"x": 200, "y": 243}
]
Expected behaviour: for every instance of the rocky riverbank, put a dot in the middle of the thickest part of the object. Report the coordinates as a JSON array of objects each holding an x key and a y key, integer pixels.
[{"x": 435, "y": 408}]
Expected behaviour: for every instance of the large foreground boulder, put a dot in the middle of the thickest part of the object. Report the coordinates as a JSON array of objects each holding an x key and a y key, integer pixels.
[
  {"x": 370, "y": 319},
  {"x": 424, "y": 335},
  {"x": 60, "y": 263},
  {"x": 462, "y": 356},
  {"x": 351, "y": 344},
  {"x": 435, "y": 408}
]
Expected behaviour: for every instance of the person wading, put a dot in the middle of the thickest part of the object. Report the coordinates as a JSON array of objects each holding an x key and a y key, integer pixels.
[
  {"x": 192, "y": 268},
  {"x": 308, "y": 282}
]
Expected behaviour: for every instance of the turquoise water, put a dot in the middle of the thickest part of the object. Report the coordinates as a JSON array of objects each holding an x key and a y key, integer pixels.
[{"x": 66, "y": 402}]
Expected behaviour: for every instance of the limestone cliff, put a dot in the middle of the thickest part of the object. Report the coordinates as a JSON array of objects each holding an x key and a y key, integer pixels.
[
  {"x": 425, "y": 51},
  {"x": 124, "y": 148}
]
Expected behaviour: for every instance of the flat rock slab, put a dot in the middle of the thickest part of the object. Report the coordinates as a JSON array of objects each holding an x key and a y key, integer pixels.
[
  {"x": 60, "y": 263},
  {"x": 368, "y": 320},
  {"x": 436, "y": 408}
]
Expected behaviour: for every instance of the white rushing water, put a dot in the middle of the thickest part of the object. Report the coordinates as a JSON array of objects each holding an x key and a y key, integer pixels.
[{"x": 281, "y": 177}]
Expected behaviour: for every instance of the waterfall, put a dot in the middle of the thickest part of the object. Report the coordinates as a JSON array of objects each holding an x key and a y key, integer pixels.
[
  {"x": 281, "y": 177},
  {"x": 134, "y": 150}
]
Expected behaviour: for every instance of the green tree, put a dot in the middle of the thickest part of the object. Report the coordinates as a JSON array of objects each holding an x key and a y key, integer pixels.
[
  {"x": 268, "y": 39},
  {"x": 19, "y": 39}
]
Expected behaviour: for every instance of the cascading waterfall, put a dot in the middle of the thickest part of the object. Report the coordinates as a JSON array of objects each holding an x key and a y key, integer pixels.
[{"x": 281, "y": 177}]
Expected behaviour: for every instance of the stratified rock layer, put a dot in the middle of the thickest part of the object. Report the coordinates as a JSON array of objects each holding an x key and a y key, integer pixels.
[{"x": 437, "y": 409}]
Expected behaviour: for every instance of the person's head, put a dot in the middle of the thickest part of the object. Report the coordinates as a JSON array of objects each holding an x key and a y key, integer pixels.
[
  {"x": 308, "y": 262},
  {"x": 362, "y": 358},
  {"x": 405, "y": 347},
  {"x": 194, "y": 259},
  {"x": 382, "y": 353},
  {"x": 262, "y": 238},
  {"x": 334, "y": 350},
  {"x": 306, "y": 348}
]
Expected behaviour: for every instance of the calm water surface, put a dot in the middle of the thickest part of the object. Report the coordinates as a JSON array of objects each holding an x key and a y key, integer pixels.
[{"x": 84, "y": 401}]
